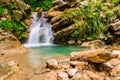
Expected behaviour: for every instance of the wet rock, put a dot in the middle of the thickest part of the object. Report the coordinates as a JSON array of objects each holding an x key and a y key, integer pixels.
[
  {"x": 63, "y": 76},
  {"x": 94, "y": 56},
  {"x": 39, "y": 12},
  {"x": 71, "y": 42},
  {"x": 52, "y": 63}
]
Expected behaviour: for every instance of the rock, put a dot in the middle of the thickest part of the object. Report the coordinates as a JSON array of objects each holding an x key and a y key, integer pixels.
[
  {"x": 52, "y": 63},
  {"x": 3, "y": 18},
  {"x": 80, "y": 76},
  {"x": 51, "y": 76},
  {"x": 94, "y": 56},
  {"x": 13, "y": 65},
  {"x": 63, "y": 76},
  {"x": 8, "y": 16},
  {"x": 26, "y": 23},
  {"x": 64, "y": 32},
  {"x": 57, "y": 26},
  {"x": 7, "y": 37},
  {"x": 92, "y": 75},
  {"x": 79, "y": 42},
  {"x": 115, "y": 71},
  {"x": 22, "y": 5},
  {"x": 71, "y": 42},
  {"x": 56, "y": 18},
  {"x": 18, "y": 15},
  {"x": 114, "y": 26},
  {"x": 59, "y": 3},
  {"x": 106, "y": 67},
  {"x": 39, "y": 12},
  {"x": 92, "y": 44},
  {"x": 53, "y": 14},
  {"x": 72, "y": 72},
  {"x": 114, "y": 62},
  {"x": 117, "y": 33},
  {"x": 79, "y": 65},
  {"x": 64, "y": 64}
]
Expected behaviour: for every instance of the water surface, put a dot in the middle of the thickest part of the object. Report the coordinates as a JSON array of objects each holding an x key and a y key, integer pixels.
[{"x": 39, "y": 54}]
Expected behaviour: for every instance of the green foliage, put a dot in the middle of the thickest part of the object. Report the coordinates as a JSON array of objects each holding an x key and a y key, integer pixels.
[
  {"x": 92, "y": 19},
  {"x": 70, "y": 15},
  {"x": 45, "y": 4},
  {"x": 1, "y": 10},
  {"x": 14, "y": 27}
]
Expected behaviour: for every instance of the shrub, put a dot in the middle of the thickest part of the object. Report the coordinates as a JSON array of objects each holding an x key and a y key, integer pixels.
[{"x": 94, "y": 19}]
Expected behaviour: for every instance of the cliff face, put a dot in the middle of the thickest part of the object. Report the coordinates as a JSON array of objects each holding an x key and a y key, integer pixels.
[
  {"x": 15, "y": 17},
  {"x": 82, "y": 20}
]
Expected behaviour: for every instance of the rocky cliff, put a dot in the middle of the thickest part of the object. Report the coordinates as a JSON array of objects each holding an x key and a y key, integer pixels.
[
  {"x": 82, "y": 20},
  {"x": 15, "y": 17}
]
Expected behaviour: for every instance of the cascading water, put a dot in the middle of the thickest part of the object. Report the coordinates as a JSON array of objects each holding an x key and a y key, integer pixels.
[{"x": 40, "y": 32}]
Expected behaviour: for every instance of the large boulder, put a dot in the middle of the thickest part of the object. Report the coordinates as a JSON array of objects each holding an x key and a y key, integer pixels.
[
  {"x": 94, "y": 56},
  {"x": 64, "y": 32},
  {"x": 52, "y": 63}
]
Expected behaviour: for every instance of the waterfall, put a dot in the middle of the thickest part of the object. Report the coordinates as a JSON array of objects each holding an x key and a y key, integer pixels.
[{"x": 40, "y": 32}]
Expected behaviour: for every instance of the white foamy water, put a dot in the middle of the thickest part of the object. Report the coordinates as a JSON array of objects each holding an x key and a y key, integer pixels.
[{"x": 40, "y": 32}]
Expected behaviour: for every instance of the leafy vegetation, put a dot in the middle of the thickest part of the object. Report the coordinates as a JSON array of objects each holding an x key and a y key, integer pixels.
[
  {"x": 1, "y": 10},
  {"x": 45, "y": 4},
  {"x": 91, "y": 20},
  {"x": 8, "y": 21},
  {"x": 13, "y": 26}
]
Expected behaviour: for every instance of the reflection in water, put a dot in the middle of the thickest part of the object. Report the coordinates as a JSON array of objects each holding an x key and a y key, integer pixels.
[
  {"x": 38, "y": 55},
  {"x": 35, "y": 58}
]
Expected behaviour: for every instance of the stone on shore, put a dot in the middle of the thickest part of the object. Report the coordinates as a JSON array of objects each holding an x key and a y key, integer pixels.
[
  {"x": 94, "y": 56},
  {"x": 63, "y": 76},
  {"x": 52, "y": 63}
]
